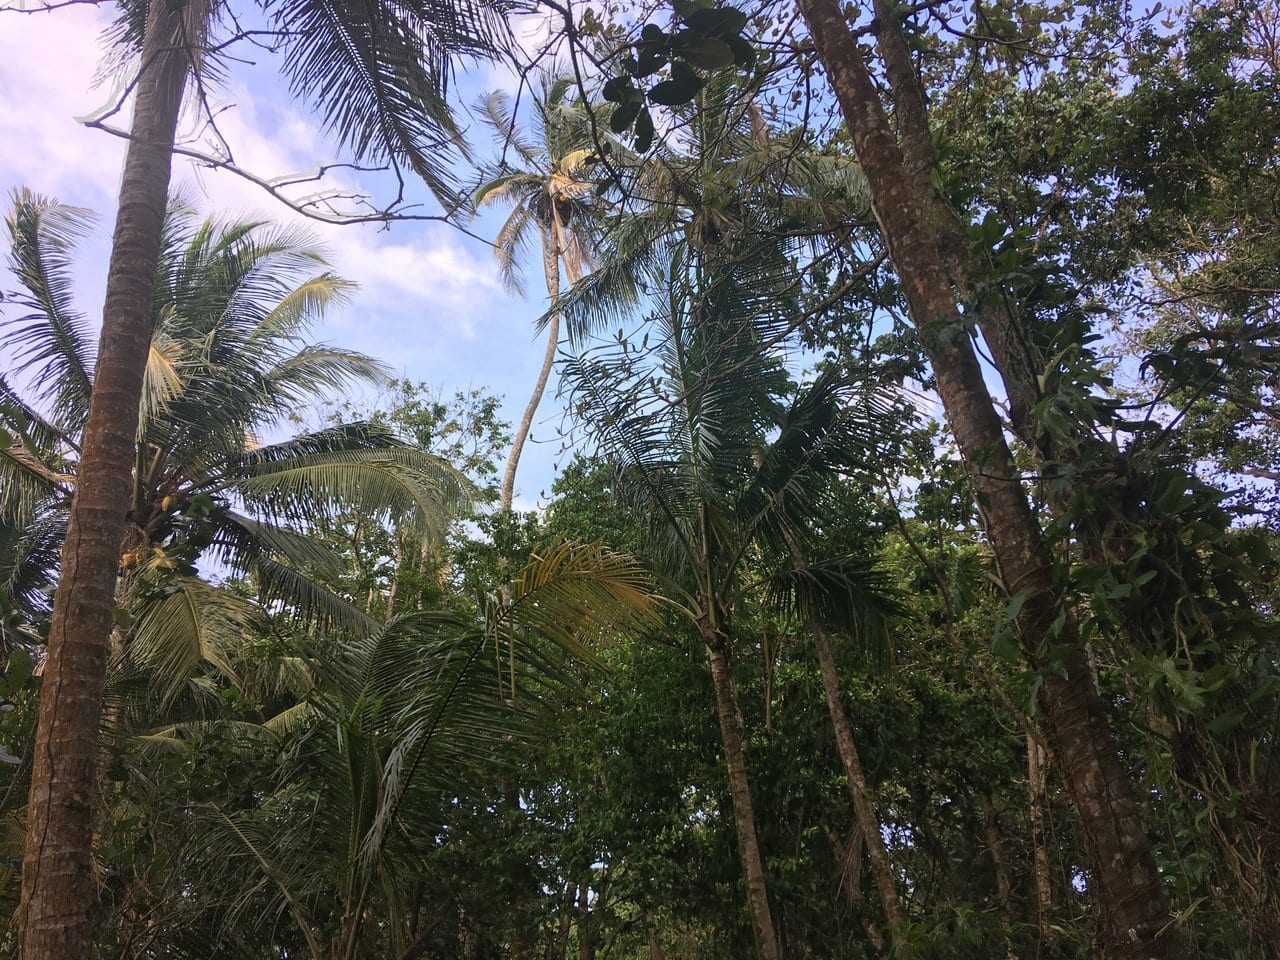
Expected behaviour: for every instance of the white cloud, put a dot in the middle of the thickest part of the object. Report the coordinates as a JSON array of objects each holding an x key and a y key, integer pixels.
[
  {"x": 47, "y": 62},
  {"x": 428, "y": 302}
]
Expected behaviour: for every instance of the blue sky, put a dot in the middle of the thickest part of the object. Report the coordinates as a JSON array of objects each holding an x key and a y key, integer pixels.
[{"x": 429, "y": 302}]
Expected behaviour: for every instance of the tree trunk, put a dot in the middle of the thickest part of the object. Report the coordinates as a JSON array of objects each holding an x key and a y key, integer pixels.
[
  {"x": 740, "y": 791},
  {"x": 1040, "y": 857},
  {"x": 856, "y": 780},
  {"x": 1125, "y": 884},
  {"x": 849, "y": 856},
  {"x": 1014, "y": 356},
  {"x": 651, "y": 933},
  {"x": 58, "y": 888},
  {"x": 586, "y": 941},
  {"x": 561, "y": 949},
  {"x": 551, "y": 263}
]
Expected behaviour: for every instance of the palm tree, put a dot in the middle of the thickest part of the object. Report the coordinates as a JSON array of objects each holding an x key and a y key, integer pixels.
[
  {"x": 731, "y": 461},
  {"x": 549, "y": 195},
  {"x": 377, "y": 74},
  {"x": 226, "y": 363},
  {"x": 388, "y": 731},
  {"x": 784, "y": 190}
]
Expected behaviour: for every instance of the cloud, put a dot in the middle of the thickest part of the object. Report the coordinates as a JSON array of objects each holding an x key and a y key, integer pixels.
[
  {"x": 428, "y": 303},
  {"x": 47, "y": 62}
]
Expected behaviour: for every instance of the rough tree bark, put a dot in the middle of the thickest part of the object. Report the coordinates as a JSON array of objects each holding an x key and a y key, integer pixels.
[
  {"x": 1133, "y": 915},
  {"x": 58, "y": 888},
  {"x": 740, "y": 791}
]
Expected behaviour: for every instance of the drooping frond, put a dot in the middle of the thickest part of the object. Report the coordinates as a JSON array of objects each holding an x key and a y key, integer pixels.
[
  {"x": 576, "y": 594},
  {"x": 283, "y": 590},
  {"x": 339, "y": 469},
  {"x": 495, "y": 112},
  {"x": 846, "y": 594},
  {"x": 377, "y": 75},
  {"x": 190, "y": 624},
  {"x": 238, "y": 538},
  {"x": 51, "y": 342}
]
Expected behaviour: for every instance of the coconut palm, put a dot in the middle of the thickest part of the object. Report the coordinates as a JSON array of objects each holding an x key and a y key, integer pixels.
[
  {"x": 390, "y": 730},
  {"x": 548, "y": 194},
  {"x": 376, "y": 73},
  {"x": 732, "y": 461},
  {"x": 227, "y": 363}
]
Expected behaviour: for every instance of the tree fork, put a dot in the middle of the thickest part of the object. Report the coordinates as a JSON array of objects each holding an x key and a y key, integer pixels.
[
  {"x": 58, "y": 888},
  {"x": 1125, "y": 884}
]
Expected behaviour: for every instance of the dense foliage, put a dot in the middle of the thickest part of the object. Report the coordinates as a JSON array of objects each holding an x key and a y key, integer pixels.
[{"x": 756, "y": 681}]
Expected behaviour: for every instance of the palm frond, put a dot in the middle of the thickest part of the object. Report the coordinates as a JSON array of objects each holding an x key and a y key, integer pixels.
[
  {"x": 377, "y": 75},
  {"x": 577, "y": 594},
  {"x": 335, "y": 470},
  {"x": 53, "y": 343},
  {"x": 846, "y": 594},
  {"x": 190, "y": 624}
]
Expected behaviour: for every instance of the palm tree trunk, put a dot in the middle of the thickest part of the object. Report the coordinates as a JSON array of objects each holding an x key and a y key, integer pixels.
[
  {"x": 551, "y": 264},
  {"x": 58, "y": 889},
  {"x": 856, "y": 781},
  {"x": 1125, "y": 884},
  {"x": 740, "y": 792}
]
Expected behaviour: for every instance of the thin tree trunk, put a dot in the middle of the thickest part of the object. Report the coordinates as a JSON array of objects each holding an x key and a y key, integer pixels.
[
  {"x": 1040, "y": 858},
  {"x": 1125, "y": 884},
  {"x": 849, "y": 856},
  {"x": 855, "y": 779},
  {"x": 740, "y": 791},
  {"x": 566, "y": 922},
  {"x": 58, "y": 888},
  {"x": 551, "y": 263},
  {"x": 651, "y": 933},
  {"x": 999, "y": 868},
  {"x": 995, "y": 849},
  {"x": 859, "y": 794},
  {"x": 586, "y": 942},
  {"x": 1014, "y": 356}
]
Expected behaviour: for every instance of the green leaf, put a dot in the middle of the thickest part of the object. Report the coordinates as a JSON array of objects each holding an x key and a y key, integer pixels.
[
  {"x": 708, "y": 53},
  {"x": 744, "y": 53},
  {"x": 644, "y": 131},
  {"x": 681, "y": 88},
  {"x": 624, "y": 116},
  {"x": 619, "y": 90},
  {"x": 724, "y": 21}
]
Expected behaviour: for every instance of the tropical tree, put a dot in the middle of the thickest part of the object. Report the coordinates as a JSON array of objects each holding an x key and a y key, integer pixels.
[
  {"x": 386, "y": 734},
  {"x": 918, "y": 230},
  {"x": 728, "y": 458},
  {"x": 549, "y": 194},
  {"x": 377, "y": 76},
  {"x": 227, "y": 363}
]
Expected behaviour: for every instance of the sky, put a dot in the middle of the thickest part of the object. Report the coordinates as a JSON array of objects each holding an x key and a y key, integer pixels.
[{"x": 429, "y": 303}]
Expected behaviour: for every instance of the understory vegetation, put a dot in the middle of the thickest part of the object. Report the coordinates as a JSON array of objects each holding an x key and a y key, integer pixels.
[{"x": 908, "y": 587}]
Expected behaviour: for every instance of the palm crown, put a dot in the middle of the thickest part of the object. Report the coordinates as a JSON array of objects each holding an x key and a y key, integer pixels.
[{"x": 227, "y": 364}]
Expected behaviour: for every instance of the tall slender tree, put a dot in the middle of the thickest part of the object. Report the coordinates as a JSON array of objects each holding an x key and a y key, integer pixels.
[
  {"x": 550, "y": 195},
  {"x": 377, "y": 75},
  {"x": 1134, "y": 917}
]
